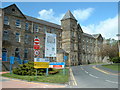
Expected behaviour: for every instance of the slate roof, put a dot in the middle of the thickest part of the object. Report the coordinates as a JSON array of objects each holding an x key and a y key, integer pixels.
[
  {"x": 89, "y": 35},
  {"x": 29, "y": 18},
  {"x": 96, "y": 35},
  {"x": 68, "y": 15}
]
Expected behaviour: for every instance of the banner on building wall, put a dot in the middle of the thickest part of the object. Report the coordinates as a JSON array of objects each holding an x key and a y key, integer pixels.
[{"x": 50, "y": 45}]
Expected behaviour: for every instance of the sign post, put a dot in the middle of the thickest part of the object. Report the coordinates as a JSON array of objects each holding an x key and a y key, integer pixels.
[
  {"x": 11, "y": 62},
  {"x": 10, "y": 68},
  {"x": 36, "y": 51},
  {"x": 46, "y": 71}
]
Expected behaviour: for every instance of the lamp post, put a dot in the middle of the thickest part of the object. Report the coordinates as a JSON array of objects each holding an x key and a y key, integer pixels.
[{"x": 119, "y": 43}]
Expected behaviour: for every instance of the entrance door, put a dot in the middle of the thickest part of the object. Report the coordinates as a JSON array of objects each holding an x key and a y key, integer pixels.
[{"x": 4, "y": 54}]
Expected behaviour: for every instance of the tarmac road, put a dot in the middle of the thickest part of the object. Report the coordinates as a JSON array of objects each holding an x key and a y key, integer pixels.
[{"x": 88, "y": 77}]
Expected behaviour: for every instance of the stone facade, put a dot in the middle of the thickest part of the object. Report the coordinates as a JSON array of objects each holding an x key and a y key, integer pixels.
[
  {"x": 1, "y": 28},
  {"x": 20, "y": 30}
]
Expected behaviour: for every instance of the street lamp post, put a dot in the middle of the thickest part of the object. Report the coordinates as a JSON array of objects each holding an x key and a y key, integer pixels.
[{"x": 119, "y": 43}]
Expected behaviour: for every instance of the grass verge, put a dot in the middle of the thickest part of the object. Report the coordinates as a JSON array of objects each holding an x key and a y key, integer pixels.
[
  {"x": 112, "y": 66},
  {"x": 59, "y": 78}
]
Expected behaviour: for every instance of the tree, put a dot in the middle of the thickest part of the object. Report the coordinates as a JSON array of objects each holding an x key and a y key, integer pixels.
[{"x": 110, "y": 48}]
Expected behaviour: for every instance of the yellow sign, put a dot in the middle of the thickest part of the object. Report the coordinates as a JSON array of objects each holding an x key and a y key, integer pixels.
[{"x": 41, "y": 64}]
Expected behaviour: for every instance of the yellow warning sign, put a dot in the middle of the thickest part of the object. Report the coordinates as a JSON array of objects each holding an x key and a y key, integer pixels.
[{"x": 41, "y": 64}]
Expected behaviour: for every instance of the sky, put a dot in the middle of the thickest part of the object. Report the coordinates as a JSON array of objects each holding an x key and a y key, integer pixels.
[{"x": 94, "y": 17}]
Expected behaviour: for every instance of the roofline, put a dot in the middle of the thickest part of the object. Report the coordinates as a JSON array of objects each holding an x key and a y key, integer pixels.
[
  {"x": 43, "y": 21},
  {"x": 16, "y": 7}
]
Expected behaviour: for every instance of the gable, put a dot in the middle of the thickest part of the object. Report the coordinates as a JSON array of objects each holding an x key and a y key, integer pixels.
[
  {"x": 13, "y": 10},
  {"x": 79, "y": 28},
  {"x": 100, "y": 37}
]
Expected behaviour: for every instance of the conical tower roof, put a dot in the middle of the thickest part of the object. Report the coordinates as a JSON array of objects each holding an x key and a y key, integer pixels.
[{"x": 68, "y": 15}]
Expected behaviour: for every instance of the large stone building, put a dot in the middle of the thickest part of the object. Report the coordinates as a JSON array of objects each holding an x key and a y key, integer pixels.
[{"x": 20, "y": 30}]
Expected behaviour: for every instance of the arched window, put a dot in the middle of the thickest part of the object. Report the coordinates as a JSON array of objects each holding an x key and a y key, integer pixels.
[
  {"x": 25, "y": 53},
  {"x": 4, "y": 54},
  {"x": 17, "y": 52}
]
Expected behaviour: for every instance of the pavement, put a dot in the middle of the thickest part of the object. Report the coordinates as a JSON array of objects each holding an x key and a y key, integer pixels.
[{"x": 16, "y": 83}]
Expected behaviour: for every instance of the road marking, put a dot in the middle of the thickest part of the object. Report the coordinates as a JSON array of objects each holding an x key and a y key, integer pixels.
[
  {"x": 100, "y": 70},
  {"x": 111, "y": 81},
  {"x": 74, "y": 81},
  {"x": 86, "y": 71},
  {"x": 93, "y": 76},
  {"x": 82, "y": 68}
]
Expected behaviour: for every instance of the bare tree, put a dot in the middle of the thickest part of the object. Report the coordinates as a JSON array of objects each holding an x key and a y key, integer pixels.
[{"x": 110, "y": 48}]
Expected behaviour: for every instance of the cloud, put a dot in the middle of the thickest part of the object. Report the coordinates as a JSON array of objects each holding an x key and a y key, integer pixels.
[
  {"x": 108, "y": 28},
  {"x": 83, "y": 14},
  {"x": 49, "y": 15}
]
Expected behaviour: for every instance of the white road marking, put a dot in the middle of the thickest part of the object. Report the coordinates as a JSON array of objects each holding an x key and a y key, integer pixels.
[
  {"x": 82, "y": 68},
  {"x": 93, "y": 76},
  {"x": 111, "y": 81},
  {"x": 86, "y": 71},
  {"x": 74, "y": 81}
]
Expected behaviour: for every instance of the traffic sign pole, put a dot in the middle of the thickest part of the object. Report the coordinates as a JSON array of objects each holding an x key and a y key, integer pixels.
[
  {"x": 46, "y": 71},
  {"x": 10, "y": 68}
]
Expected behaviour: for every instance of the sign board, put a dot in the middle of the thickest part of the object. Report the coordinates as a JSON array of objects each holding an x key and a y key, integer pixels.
[
  {"x": 50, "y": 45},
  {"x": 36, "y": 46},
  {"x": 11, "y": 59},
  {"x": 57, "y": 63},
  {"x": 36, "y": 52},
  {"x": 41, "y": 64},
  {"x": 0, "y": 58},
  {"x": 41, "y": 60},
  {"x": 36, "y": 41},
  {"x": 65, "y": 57}
]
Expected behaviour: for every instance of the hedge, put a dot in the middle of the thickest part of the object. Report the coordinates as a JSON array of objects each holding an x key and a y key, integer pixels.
[{"x": 28, "y": 69}]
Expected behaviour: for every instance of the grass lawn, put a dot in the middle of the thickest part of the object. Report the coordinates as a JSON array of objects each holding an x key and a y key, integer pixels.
[
  {"x": 57, "y": 78},
  {"x": 112, "y": 66},
  {"x": 96, "y": 63}
]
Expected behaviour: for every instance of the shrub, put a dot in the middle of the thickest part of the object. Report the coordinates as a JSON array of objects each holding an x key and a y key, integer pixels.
[
  {"x": 116, "y": 60},
  {"x": 28, "y": 69}
]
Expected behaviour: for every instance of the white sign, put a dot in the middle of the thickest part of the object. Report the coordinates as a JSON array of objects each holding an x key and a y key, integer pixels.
[
  {"x": 36, "y": 52},
  {"x": 50, "y": 45},
  {"x": 41, "y": 60}
]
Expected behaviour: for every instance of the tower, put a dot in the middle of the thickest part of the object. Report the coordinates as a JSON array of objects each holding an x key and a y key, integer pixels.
[{"x": 69, "y": 37}]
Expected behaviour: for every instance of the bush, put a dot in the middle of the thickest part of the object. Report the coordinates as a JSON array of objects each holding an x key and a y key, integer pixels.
[
  {"x": 116, "y": 60},
  {"x": 28, "y": 69}
]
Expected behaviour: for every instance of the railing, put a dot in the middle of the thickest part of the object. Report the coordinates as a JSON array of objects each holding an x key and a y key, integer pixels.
[{"x": 16, "y": 59}]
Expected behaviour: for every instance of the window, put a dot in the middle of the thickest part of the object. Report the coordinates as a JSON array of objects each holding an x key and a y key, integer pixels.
[
  {"x": 17, "y": 37},
  {"x": 45, "y": 29},
  {"x": 25, "y": 53},
  {"x": 52, "y": 31},
  {"x": 13, "y": 9},
  {"x": 27, "y": 26},
  {"x": 6, "y": 20},
  {"x": 26, "y": 38},
  {"x": 36, "y": 28},
  {"x": 18, "y": 23},
  {"x": 72, "y": 34},
  {"x": 5, "y": 35}
]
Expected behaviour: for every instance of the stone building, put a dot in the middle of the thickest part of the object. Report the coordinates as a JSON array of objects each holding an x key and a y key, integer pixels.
[{"x": 19, "y": 31}]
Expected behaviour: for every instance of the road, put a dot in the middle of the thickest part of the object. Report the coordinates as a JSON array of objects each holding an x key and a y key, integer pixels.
[{"x": 88, "y": 77}]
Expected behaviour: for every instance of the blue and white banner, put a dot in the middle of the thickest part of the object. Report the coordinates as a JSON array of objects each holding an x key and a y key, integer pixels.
[
  {"x": 41, "y": 60},
  {"x": 50, "y": 45},
  {"x": 57, "y": 63}
]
